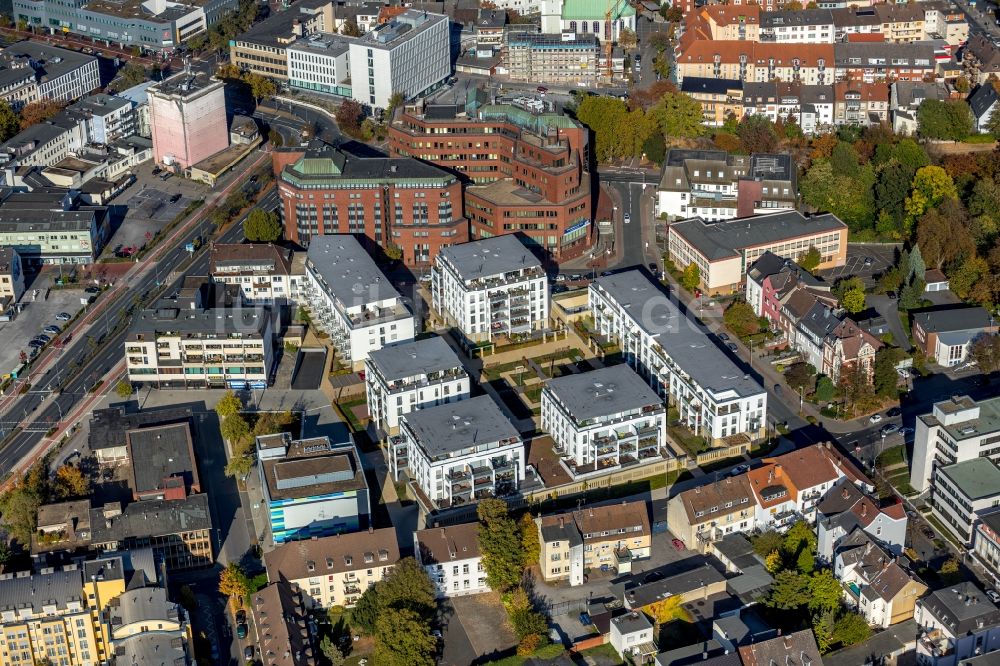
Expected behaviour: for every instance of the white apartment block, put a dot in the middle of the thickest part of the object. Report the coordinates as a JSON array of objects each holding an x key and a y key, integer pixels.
[
  {"x": 715, "y": 398},
  {"x": 956, "y": 430},
  {"x": 32, "y": 71},
  {"x": 412, "y": 375},
  {"x": 604, "y": 419},
  {"x": 217, "y": 348},
  {"x": 266, "y": 274},
  {"x": 451, "y": 557},
  {"x": 320, "y": 62},
  {"x": 961, "y": 491},
  {"x": 808, "y": 26},
  {"x": 459, "y": 452},
  {"x": 490, "y": 286},
  {"x": 349, "y": 298},
  {"x": 409, "y": 54}
]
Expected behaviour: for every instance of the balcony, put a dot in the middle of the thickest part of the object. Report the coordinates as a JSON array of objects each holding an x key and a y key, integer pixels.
[
  {"x": 457, "y": 476},
  {"x": 351, "y": 589},
  {"x": 500, "y": 464}
]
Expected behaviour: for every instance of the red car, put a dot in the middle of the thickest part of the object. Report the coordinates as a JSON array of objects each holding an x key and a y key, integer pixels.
[{"x": 678, "y": 544}]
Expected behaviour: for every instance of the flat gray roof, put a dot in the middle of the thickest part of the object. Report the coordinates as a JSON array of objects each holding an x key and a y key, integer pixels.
[
  {"x": 603, "y": 392},
  {"x": 683, "y": 338},
  {"x": 976, "y": 478},
  {"x": 490, "y": 256},
  {"x": 415, "y": 357},
  {"x": 456, "y": 426},
  {"x": 348, "y": 271},
  {"x": 52, "y": 61},
  {"x": 719, "y": 240},
  {"x": 159, "y": 453}
]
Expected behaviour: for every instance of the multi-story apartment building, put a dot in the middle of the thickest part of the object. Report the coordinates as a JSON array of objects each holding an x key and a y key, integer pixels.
[
  {"x": 334, "y": 570},
  {"x": 459, "y": 452},
  {"x": 845, "y": 509},
  {"x": 494, "y": 286},
  {"x": 723, "y": 251},
  {"x": 412, "y": 375},
  {"x": 723, "y": 22},
  {"x": 961, "y": 490},
  {"x": 956, "y": 430},
  {"x": 604, "y": 419},
  {"x": 809, "y": 64},
  {"x": 877, "y": 584},
  {"x": 11, "y": 274},
  {"x": 719, "y": 98},
  {"x": 265, "y": 273},
  {"x": 109, "y": 118},
  {"x": 350, "y": 298},
  {"x": 311, "y": 487},
  {"x": 954, "y": 624},
  {"x": 714, "y": 397},
  {"x": 186, "y": 114},
  {"x": 860, "y": 103},
  {"x": 706, "y": 513},
  {"x": 285, "y": 635},
  {"x": 47, "y": 227},
  {"x": 395, "y": 202},
  {"x": 527, "y": 171},
  {"x": 44, "y": 144},
  {"x": 714, "y": 185},
  {"x": 565, "y": 59},
  {"x": 31, "y": 71},
  {"x": 809, "y": 26},
  {"x": 451, "y": 557},
  {"x": 409, "y": 54},
  {"x": 603, "y": 537},
  {"x": 873, "y": 61},
  {"x": 263, "y": 48},
  {"x": 180, "y": 343},
  {"x": 986, "y": 542}
]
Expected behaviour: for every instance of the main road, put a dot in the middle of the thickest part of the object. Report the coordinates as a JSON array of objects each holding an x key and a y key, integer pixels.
[{"x": 51, "y": 398}]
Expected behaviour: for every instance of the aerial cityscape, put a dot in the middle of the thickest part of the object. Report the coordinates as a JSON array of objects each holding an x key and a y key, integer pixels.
[{"x": 500, "y": 332}]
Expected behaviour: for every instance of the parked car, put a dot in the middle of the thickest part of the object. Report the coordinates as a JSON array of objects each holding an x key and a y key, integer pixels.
[
  {"x": 739, "y": 469},
  {"x": 559, "y": 288},
  {"x": 678, "y": 544},
  {"x": 175, "y": 198},
  {"x": 889, "y": 428},
  {"x": 44, "y": 338},
  {"x": 732, "y": 347},
  {"x": 52, "y": 330},
  {"x": 653, "y": 268},
  {"x": 36, "y": 344},
  {"x": 905, "y": 431},
  {"x": 92, "y": 290},
  {"x": 994, "y": 597},
  {"x": 63, "y": 316},
  {"x": 875, "y": 418},
  {"x": 241, "y": 616},
  {"x": 778, "y": 391},
  {"x": 248, "y": 652},
  {"x": 723, "y": 336},
  {"x": 895, "y": 411},
  {"x": 425, "y": 278},
  {"x": 241, "y": 631}
]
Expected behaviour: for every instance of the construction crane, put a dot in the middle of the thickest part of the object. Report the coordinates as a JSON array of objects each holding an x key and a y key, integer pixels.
[{"x": 613, "y": 13}]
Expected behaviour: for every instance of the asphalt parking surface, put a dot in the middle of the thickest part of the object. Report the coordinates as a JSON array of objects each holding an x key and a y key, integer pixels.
[
  {"x": 882, "y": 257},
  {"x": 35, "y": 315}
]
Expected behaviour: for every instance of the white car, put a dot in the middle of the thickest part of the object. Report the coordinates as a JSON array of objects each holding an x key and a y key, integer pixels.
[
  {"x": 994, "y": 597},
  {"x": 875, "y": 418},
  {"x": 628, "y": 218}
]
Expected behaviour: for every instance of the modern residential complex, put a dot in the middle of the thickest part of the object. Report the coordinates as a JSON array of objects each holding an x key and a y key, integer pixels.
[
  {"x": 265, "y": 273},
  {"x": 349, "y": 298},
  {"x": 604, "y": 419},
  {"x": 49, "y": 227},
  {"x": 723, "y": 251},
  {"x": 489, "y": 287},
  {"x": 451, "y": 557},
  {"x": 412, "y": 375},
  {"x": 311, "y": 487},
  {"x": 956, "y": 430},
  {"x": 963, "y": 489},
  {"x": 459, "y": 452},
  {"x": 527, "y": 171},
  {"x": 187, "y": 115},
  {"x": 394, "y": 202},
  {"x": 31, "y": 71},
  {"x": 714, "y": 397}
]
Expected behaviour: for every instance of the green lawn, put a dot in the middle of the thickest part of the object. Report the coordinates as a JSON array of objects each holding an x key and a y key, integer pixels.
[
  {"x": 346, "y": 407},
  {"x": 550, "y": 651},
  {"x": 534, "y": 393},
  {"x": 890, "y": 457}
]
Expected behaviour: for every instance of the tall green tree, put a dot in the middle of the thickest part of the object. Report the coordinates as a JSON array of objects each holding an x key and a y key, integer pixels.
[
  {"x": 262, "y": 226},
  {"x": 811, "y": 259},
  {"x": 950, "y": 120},
  {"x": 739, "y": 318},
  {"x": 757, "y": 134},
  {"x": 884, "y": 373},
  {"x": 228, "y": 405},
  {"x": 10, "y": 124},
  {"x": 790, "y": 591},
  {"x": 691, "y": 277},
  {"x": 918, "y": 268},
  {"x": 500, "y": 545},
  {"x": 403, "y": 638},
  {"x": 678, "y": 115}
]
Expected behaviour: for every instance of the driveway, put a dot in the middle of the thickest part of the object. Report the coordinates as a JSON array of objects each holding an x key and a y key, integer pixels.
[
  {"x": 886, "y": 307},
  {"x": 864, "y": 260},
  {"x": 473, "y": 627}
]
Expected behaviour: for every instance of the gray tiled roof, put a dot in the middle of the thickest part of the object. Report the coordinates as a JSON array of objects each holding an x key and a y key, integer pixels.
[
  {"x": 150, "y": 518},
  {"x": 456, "y": 426},
  {"x": 961, "y": 608},
  {"x": 954, "y": 319},
  {"x": 603, "y": 392},
  {"x": 719, "y": 240},
  {"x": 41, "y": 589}
]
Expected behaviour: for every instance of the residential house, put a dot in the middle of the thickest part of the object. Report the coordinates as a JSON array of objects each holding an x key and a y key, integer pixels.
[
  {"x": 981, "y": 57},
  {"x": 877, "y": 584},
  {"x": 882, "y": 61},
  {"x": 632, "y": 636},
  {"x": 905, "y": 98},
  {"x": 946, "y": 334},
  {"x": 957, "y": 429},
  {"x": 810, "y": 64},
  {"x": 451, "y": 557},
  {"x": 265, "y": 273},
  {"x": 719, "y": 98},
  {"x": 608, "y": 538},
  {"x": 806, "y": 26},
  {"x": 849, "y": 345},
  {"x": 846, "y": 507},
  {"x": 604, "y": 419},
  {"x": 334, "y": 570},
  {"x": 983, "y": 103},
  {"x": 956, "y": 623},
  {"x": 707, "y": 513},
  {"x": 284, "y": 634},
  {"x": 799, "y": 646},
  {"x": 861, "y": 103}
]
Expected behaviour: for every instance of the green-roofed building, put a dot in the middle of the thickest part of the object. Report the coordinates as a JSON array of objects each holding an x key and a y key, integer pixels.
[
  {"x": 587, "y": 17},
  {"x": 959, "y": 492}
]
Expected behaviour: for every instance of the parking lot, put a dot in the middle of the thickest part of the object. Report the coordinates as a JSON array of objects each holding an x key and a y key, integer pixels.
[
  {"x": 864, "y": 260},
  {"x": 35, "y": 315}
]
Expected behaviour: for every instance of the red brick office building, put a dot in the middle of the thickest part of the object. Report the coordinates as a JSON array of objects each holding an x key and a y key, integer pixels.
[
  {"x": 400, "y": 202},
  {"x": 526, "y": 172}
]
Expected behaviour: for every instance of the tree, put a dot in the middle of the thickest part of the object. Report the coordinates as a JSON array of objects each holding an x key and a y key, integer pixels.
[
  {"x": 799, "y": 537},
  {"x": 262, "y": 226},
  {"x": 70, "y": 483},
  {"x": 350, "y": 28},
  {"x": 530, "y": 544},
  {"x": 500, "y": 545},
  {"x": 228, "y": 405},
  {"x": 931, "y": 185},
  {"x": 806, "y": 562},
  {"x": 233, "y": 582},
  {"x": 275, "y": 138},
  {"x": 123, "y": 388},
  {"x": 773, "y": 562},
  {"x": 132, "y": 74},
  {"x": 943, "y": 236},
  {"x": 365, "y": 611},
  {"x": 945, "y": 120},
  {"x": 850, "y": 629},
  {"x": 767, "y": 542},
  {"x": 655, "y": 148},
  {"x": 853, "y": 300},
  {"x": 790, "y": 591},
  {"x": 741, "y": 320},
  {"x": 993, "y": 123},
  {"x": 985, "y": 351},
  {"x": 239, "y": 466},
  {"x": 331, "y": 651},
  {"x": 627, "y": 39},
  {"x": 396, "y": 100},
  {"x": 824, "y": 591},
  {"x": 801, "y": 376},
  {"x": 810, "y": 259},
  {"x": 824, "y": 389},
  {"x": 916, "y": 265},
  {"x": 884, "y": 375},
  {"x": 40, "y": 111},
  {"x": 235, "y": 429},
  {"x": 261, "y": 87},
  {"x": 678, "y": 115},
  {"x": 408, "y": 587},
  {"x": 393, "y": 252},
  {"x": 844, "y": 160},
  {"x": 9, "y": 123},
  {"x": 187, "y": 598},
  {"x": 691, "y": 277},
  {"x": 757, "y": 134},
  {"x": 666, "y": 610},
  {"x": 402, "y": 638},
  {"x": 850, "y": 199},
  {"x": 348, "y": 116},
  {"x": 19, "y": 512}
]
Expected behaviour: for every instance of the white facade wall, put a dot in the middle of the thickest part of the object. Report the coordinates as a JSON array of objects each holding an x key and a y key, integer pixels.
[
  {"x": 315, "y": 69},
  {"x": 820, "y": 33},
  {"x": 458, "y": 577},
  {"x": 388, "y": 401},
  {"x": 934, "y": 446},
  {"x": 955, "y": 509},
  {"x": 72, "y": 85}
]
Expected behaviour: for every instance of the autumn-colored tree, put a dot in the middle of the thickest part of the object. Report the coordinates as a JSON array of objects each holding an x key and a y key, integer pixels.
[
  {"x": 228, "y": 405},
  {"x": 123, "y": 388},
  {"x": 234, "y": 583},
  {"x": 70, "y": 483},
  {"x": 529, "y": 540},
  {"x": 40, "y": 111},
  {"x": 666, "y": 610},
  {"x": 931, "y": 186},
  {"x": 349, "y": 116},
  {"x": 691, "y": 277}
]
